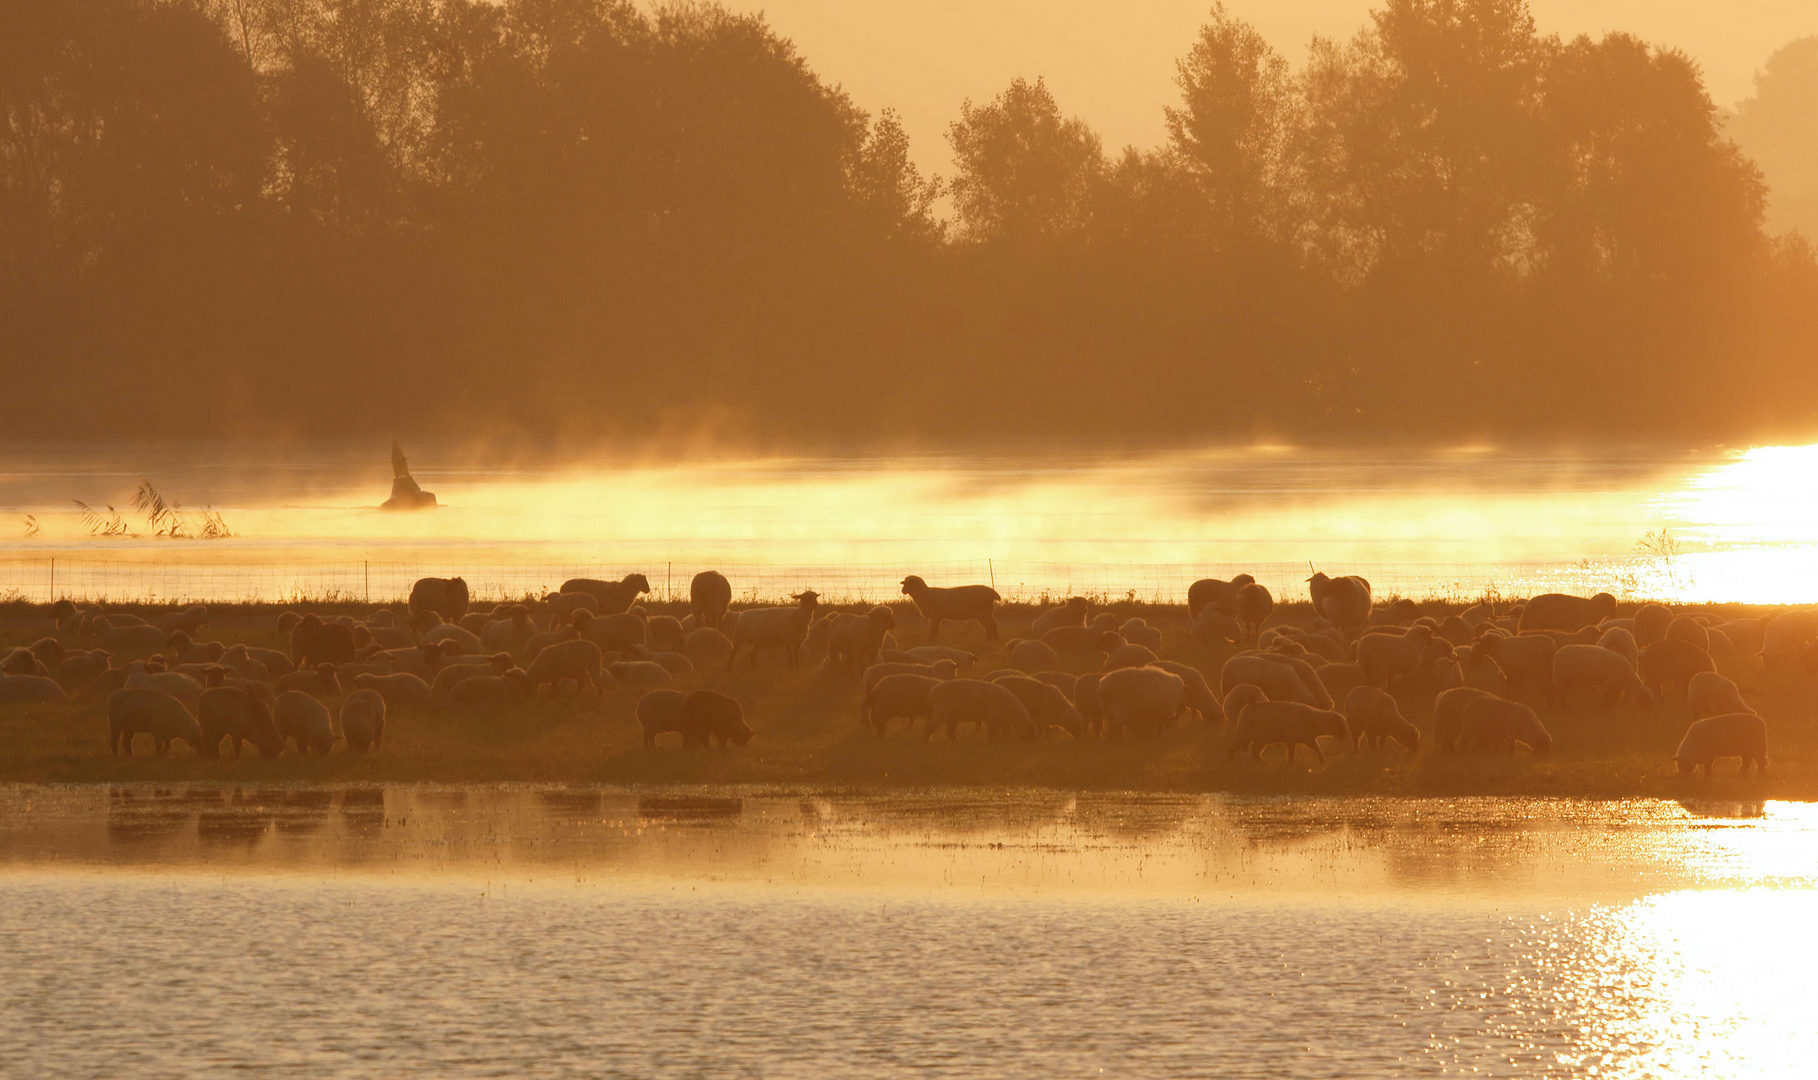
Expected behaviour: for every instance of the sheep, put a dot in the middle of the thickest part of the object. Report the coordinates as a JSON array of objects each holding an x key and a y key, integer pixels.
[
  {"x": 960, "y": 603},
  {"x": 660, "y": 711},
  {"x": 1308, "y": 677},
  {"x": 997, "y": 711},
  {"x": 174, "y": 683},
  {"x": 322, "y": 681},
  {"x": 1122, "y": 654},
  {"x": 20, "y": 689},
  {"x": 363, "y": 720},
  {"x": 1479, "y": 615},
  {"x": 49, "y": 650},
  {"x": 1689, "y": 631},
  {"x": 1341, "y": 679},
  {"x": 709, "y": 716},
  {"x": 133, "y": 711},
  {"x": 1740, "y": 735},
  {"x": 1710, "y": 694},
  {"x": 1456, "y": 631},
  {"x": 638, "y": 674},
  {"x": 1495, "y": 725},
  {"x": 235, "y": 714},
  {"x": 1212, "y": 629},
  {"x": 185, "y": 650},
  {"x": 1746, "y": 636},
  {"x": 709, "y": 595},
  {"x": 1604, "y": 674},
  {"x": 1211, "y": 592},
  {"x": 189, "y": 620},
  {"x": 1670, "y": 662},
  {"x": 818, "y": 632},
  {"x": 443, "y": 632},
  {"x": 401, "y": 690},
  {"x": 1373, "y": 716},
  {"x": 665, "y": 633},
  {"x": 1345, "y": 601},
  {"x": 1060, "y": 680},
  {"x": 1386, "y": 657},
  {"x": 1200, "y": 697},
  {"x": 313, "y": 642},
  {"x": 577, "y": 660},
  {"x": 562, "y": 606},
  {"x": 614, "y": 597},
  {"x": 441, "y": 688},
  {"x": 1072, "y": 612},
  {"x": 903, "y": 695},
  {"x": 1527, "y": 659},
  {"x": 1139, "y": 632},
  {"x": 1288, "y": 723},
  {"x": 1143, "y": 700},
  {"x": 1558, "y": 611},
  {"x": 1400, "y": 612},
  {"x": 940, "y": 669},
  {"x": 1280, "y": 682},
  {"x": 854, "y": 641},
  {"x": 1448, "y": 714},
  {"x": 1030, "y": 655},
  {"x": 1254, "y": 603},
  {"x": 1085, "y": 699},
  {"x": 1047, "y": 706},
  {"x": 1786, "y": 635},
  {"x": 775, "y": 628},
  {"x": 305, "y": 721},
  {"x": 511, "y": 634},
  {"x": 476, "y": 621},
  {"x": 930, "y": 654},
  {"x": 127, "y": 639},
  {"x": 1650, "y": 624},
  {"x": 707, "y": 647},
  {"x": 446, "y": 596},
  {"x": 511, "y": 686},
  {"x": 674, "y": 663},
  {"x": 423, "y": 661},
  {"x": 615, "y": 633},
  {"x": 22, "y": 662},
  {"x": 1621, "y": 641},
  {"x": 1240, "y": 696},
  {"x": 1074, "y": 641}
]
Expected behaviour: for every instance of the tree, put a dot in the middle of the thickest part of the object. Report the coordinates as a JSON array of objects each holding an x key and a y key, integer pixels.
[
  {"x": 894, "y": 201},
  {"x": 1024, "y": 172},
  {"x": 1778, "y": 127}
]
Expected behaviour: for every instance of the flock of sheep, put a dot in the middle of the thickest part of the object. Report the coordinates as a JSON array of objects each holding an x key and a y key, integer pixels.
[{"x": 1336, "y": 675}]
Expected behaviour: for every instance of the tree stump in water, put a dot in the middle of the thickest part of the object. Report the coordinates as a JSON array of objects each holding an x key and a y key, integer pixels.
[{"x": 405, "y": 494}]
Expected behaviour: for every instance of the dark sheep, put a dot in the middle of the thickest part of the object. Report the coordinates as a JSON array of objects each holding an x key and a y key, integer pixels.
[
  {"x": 314, "y": 642},
  {"x": 235, "y": 714},
  {"x": 614, "y": 597},
  {"x": 709, "y": 595},
  {"x": 709, "y": 716},
  {"x": 133, "y": 711},
  {"x": 445, "y": 596}
]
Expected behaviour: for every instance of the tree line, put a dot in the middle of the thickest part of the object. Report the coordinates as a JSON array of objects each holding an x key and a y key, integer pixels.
[{"x": 583, "y": 220}]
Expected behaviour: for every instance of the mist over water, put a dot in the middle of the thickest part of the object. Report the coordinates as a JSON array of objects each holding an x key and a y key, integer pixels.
[{"x": 1697, "y": 526}]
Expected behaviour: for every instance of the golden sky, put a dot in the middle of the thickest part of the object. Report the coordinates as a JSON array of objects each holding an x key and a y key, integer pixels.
[{"x": 1112, "y": 61}]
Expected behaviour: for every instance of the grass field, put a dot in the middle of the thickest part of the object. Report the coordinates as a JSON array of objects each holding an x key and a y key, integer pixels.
[{"x": 808, "y": 737}]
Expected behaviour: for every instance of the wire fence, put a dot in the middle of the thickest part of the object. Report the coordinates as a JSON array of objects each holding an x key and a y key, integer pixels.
[{"x": 42, "y": 580}]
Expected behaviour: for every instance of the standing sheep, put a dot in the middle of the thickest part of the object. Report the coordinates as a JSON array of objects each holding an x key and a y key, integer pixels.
[
  {"x": 1689, "y": 631},
  {"x": 709, "y": 595},
  {"x": 1253, "y": 607},
  {"x": 1211, "y": 592},
  {"x": 994, "y": 709},
  {"x": 1670, "y": 662},
  {"x": 960, "y": 603},
  {"x": 1373, "y": 716},
  {"x": 235, "y": 714},
  {"x": 445, "y": 596},
  {"x": 900, "y": 696},
  {"x": 1287, "y": 723},
  {"x": 1200, "y": 697},
  {"x": 1621, "y": 641},
  {"x": 614, "y": 597},
  {"x": 1524, "y": 660},
  {"x": 660, "y": 711},
  {"x": 576, "y": 660},
  {"x": 1496, "y": 725},
  {"x": 363, "y": 721},
  {"x": 1143, "y": 700},
  {"x": 1710, "y": 694},
  {"x": 1047, "y": 706},
  {"x": 1557, "y": 611},
  {"x": 135, "y": 711},
  {"x": 1280, "y": 682},
  {"x": 401, "y": 690},
  {"x": 1071, "y": 613},
  {"x": 313, "y": 642},
  {"x": 304, "y": 720},
  {"x": 1741, "y": 735},
  {"x": 1603, "y": 675},
  {"x": 1386, "y": 657},
  {"x": 1343, "y": 601},
  {"x": 709, "y": 716},
  {"x": 854, "y": 641},
  {"x": 1213, "y": 629},
  {"x": 1650, "y": 624},
  {"x": 1448, "y": 714},
  {"x": 775, "y": 628}
]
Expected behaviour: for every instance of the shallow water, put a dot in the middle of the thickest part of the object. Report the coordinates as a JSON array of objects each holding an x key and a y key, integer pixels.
[
  {"x": 194, "y": 930},
  {"x": 1738, "y": 525}
]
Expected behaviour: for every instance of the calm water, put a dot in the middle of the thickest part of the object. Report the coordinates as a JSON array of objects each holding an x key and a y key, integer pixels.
[
  {"x": 194, "y": 931},
  {"x": 1737, "y": 525}
]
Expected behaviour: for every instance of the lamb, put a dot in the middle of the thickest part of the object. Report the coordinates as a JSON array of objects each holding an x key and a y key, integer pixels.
[
  {"x": 189, "y": 620},
  {"x": 401, "y": 690},
  {"x": 1253, "y": 607},
  {"x": 1493, "y": 724},
  {"x": 1386, "y": 657},
  {"x": 854, "y": 641},
  {"x": 1710, "y": 694},
  {"x": 940, "y": 669},
  {"x": 996, "y": 710},
  {"x": 229, "y": 712},
  {"x": 305, "y": 721},
  {"x": 1211, "y": 592},
  {"x": 446, "y": 596},
  {"x": 1200, "y": 697},
  {"x": 614, "y": 597},
  {"x": 1072, "y": 612},
  {"x": 1143, "y": 700},
  {"x": 707, "y": 647},
  {"x": 127, "y": 639},
  {"x": 1047, "y": 706},
  {"x": 903, "y": 695},
  {"x": 1604, "y": 674},
  {"x": 363, "y": 720},
  {"x": 513, "y": 685},
  {"x": 1557, "y": 611},
  {"x": 1030, "y": 655},
  {"x": 1670, "y": 662},
  {"x": 1345, "y": 601},
  {"x": 775, "y": 628},
  {"x": 20, "y": 689},
  {"x": 1448, "y": 714},
  {"x": 639, "y": 674},
  {"x": 1740, "y": 735},
  {"x": 134, "y": 711},
  {"x": 709, "y": 595},
  {"x": 960, "y": 603},
  {"x": 1373, "y": 716},
  {"x": 576, "y": 660},
  {"x": 1287, "y": 723}
]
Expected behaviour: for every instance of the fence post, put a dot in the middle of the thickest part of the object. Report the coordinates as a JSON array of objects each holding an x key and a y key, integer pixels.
[
  {"x": 992, "y": 568},
  {"x": 53, "y": 583},
  {"x": 366, "y": 576},
  {"x": 669, "y": 584}
]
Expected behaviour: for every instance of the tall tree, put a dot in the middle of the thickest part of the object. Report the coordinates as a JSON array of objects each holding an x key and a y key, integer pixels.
[
  {"x": 1024, "y": 172},
  {"x": 1778, "y": 127}
]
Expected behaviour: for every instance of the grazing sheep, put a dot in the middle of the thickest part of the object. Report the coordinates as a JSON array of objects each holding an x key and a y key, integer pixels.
[
  {"x": 1557, "y": 611},
  {"x": 939, "y": 669},
  {"x": 660, "y": 711},
  {"x": 1047, "y": 706},
  {"x": 134, "y": 711},
  {"x": 1710, "y": 694},
  {"x": 1139, "y": 632},
  {"x": 1280, "y": 682},
  {"x": 1061, "y": 680},
  {"x": 513, "y": 685},
  {"x": 1309, "y": 678},
  {"x": 1344, "y": 601},
  {"x": 322, "y": 681},
  {"x": 899, "y": 696},
  {"x": 1285, "y": 723},
  {"x": 639, "y": 674},
  {"x": 511, "y": 634},
  {"x": 996, "y": 711},
  {"x": 1341, "y": 679},
  {"x": 445, "y": 596},
  {"x": 1213, "y": 629},
  {"x": 665, "y": 633},
  {"x": 1200, "y": 697},
  {"x": 184, "y": 650},
  {"x": 1386, "y": 657},
  {"x": 619, "y": 633},
  {"x": 562, "y": 606},
  {"x": 313, "y": 642},
  {"x": 1373, "y": 716},
  {"x": 1240, "y": 696},
  {"x": 1142, "y": 700},
  {"x": 1072, "y": 612},
  {"x": 1437, "y": 675},
  {"x": 363, "y": 720},
  {"x": 174, "y": 683},
  {"x": 127, "y": 639},
  {"x": 1448, "y": 714},
  {"x": 1254, "y": 603},
  {"x": 781, "y": 628},
  {"x": 78, "y": 670},
  {"x": 614, "y": 597},
  {"x": 1495, "y": 725},
  {"x": 401, "y": 690},
  {"x": 1670, "y": 662},
  {"x": 931, "y": 654},
  {"x": 1746, "y": 636},
  {"x": 235, "y": 714},
  {"x": 1689, "y": 631},
  {"x": 443, "y": 633},
  {"x": 1786, "y": 636},
  {"x": 960, "y": 603},
  {"x": 709, "y": 595},
  {"x": 1400, "y": 612},
  {"x": 1122, "y": 654},
  {"x": 707, "y": 647},
  {"x": 1211, "y": 592},
  {"x": 1739, "y": 735},
  {"x": 709, "y": 716},
  {"x": 305, "y": 721},
  {"x": 854, "y": 641},
  {"x": 1079, "y": 642},
  {"x": 1621, "y": 641},
  {"x": 20, "y": 689},
  {"x": 1650, "y": 624},
  {"x": 1029, "y": 655},
  {"x": 580, "y": 661},
  {"x": 189, "y": 620},
  {"x": 1604, "y": 675},
  {"x": 1523, "y": 660},
  {"x": 451, "y": 675}
]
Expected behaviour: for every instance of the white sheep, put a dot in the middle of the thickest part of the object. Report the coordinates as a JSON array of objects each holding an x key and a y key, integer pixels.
[
  {"x": 1284, "y": 723},
  {"x": 1740, "y": 735},
  {"x": 973, "y": 701},
  {"x": 1710, "y": 694},
  {"x": 1142, "y": 700},
  {"x": 1603, "y": 675},
  {"x": 1373, "y": 716},
  {"x": 1073, "y": 612},
  {"x": 1496, "y": 725},
  {"x": 781, "y": 628}
]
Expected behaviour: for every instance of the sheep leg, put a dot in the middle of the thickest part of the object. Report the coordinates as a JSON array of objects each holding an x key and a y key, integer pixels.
[
  {"x": 1318, "y": 754},
  {"x": 934, "y": 628},
  {"x": 990, "y": 624}
]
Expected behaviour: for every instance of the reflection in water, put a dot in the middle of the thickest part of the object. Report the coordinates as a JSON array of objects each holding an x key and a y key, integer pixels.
[{"x": 543, "y": 931}]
